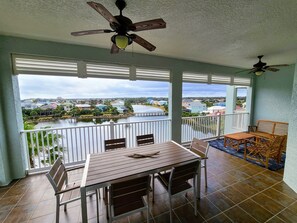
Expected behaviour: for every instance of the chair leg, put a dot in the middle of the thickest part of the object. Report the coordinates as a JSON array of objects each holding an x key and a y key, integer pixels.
[
  {"x": 153, "y": 187},
  {"x": 105, "y": 197},
  {"x": 267, "y": 162},
  {"x": 148, "y": 206},
  {"x": 170, "y": 209},
  {"x": 97, "y": 204},
  {"x": 57, "y": 209},
  {"x": 205, "y": 173},
  {"x": 99, "y": 193},
  {"x": 195, "y": 195}
]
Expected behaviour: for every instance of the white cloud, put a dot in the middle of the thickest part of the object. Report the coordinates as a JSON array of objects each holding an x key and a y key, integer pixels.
[{"x": 34, "y": 86}]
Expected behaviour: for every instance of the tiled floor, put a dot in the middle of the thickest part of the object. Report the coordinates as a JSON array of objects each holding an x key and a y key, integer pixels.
[{"x": 237, "y": 191}]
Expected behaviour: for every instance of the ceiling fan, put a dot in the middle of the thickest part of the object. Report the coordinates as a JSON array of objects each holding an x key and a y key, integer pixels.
[
  {"x": 121, "y": 25},
  {"x": 260, "y": 67}
]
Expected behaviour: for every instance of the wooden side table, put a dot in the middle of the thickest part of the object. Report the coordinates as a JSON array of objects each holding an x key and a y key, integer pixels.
[{"x": 234, "y": 140}]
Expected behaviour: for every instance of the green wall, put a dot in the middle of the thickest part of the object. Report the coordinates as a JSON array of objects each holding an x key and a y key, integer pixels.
[
  {"x": 272, "y": 95},
  {"x": 12, "y": 155}
]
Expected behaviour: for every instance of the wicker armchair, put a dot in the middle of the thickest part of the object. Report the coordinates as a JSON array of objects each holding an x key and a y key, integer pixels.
[{"x": 264, "y": 149}]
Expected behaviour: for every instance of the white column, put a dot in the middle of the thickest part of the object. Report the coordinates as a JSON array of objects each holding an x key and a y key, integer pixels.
[
  {"x": 291, "y": 156},
  {"x": 230, "y": 107},
  {"x": 175, "y": 105}
]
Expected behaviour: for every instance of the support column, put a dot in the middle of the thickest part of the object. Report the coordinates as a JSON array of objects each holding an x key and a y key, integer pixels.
[
  {"x": 230, "y": 107},
  {"x": 12, "y": 155},
  {"x": 175, "y": 105},
  {"x": 291, "y": 156}
]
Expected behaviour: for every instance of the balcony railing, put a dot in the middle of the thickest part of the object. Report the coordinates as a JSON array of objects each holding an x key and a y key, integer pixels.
[
  {"x": 73, "y": 144},
  {"x": 206, "y": 127}
]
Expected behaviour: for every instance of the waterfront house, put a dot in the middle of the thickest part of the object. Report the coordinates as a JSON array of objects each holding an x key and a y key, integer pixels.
[
  {"x": 161, "y": 103},
  {"x": 67, "y": 106},
  {"x": 102, "y": 107},
  {"x": 205, "y": 42},
  {"x": 83, "y": 106},
  {"x": 119, "y": 105},
  {"x": 197, "y": 107},
  {"x": 216, "y": 109}
]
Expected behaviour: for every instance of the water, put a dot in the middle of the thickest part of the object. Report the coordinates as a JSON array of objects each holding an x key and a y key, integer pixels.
[
  {"x": 136, "y": 108},
  {"x": 89, "y": 137}
]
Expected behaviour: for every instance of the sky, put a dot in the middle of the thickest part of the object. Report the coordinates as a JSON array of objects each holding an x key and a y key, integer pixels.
[{"x": 35, "y": 86}]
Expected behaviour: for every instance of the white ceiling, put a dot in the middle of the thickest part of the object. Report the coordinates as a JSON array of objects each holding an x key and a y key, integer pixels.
[{"x": 225, "y": 32}]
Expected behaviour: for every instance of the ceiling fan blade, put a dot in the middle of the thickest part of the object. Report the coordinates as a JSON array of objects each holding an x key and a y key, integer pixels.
[
  {"x": 114, "y": 49},
  {"x": 104, "y": 12},
  {"x": 271, "y": 69},
  {"x": 242, "y": 71},
  {"x": 278, "y": 65},
  {"x": 142, "y": 42},
  {"x": 252, "y": 70},
  {"x": 147, "y": 25},
  {"x": 89, "y": 32}
]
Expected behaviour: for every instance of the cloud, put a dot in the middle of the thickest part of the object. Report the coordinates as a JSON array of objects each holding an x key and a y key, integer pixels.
[{"x": 36, "y": 86}]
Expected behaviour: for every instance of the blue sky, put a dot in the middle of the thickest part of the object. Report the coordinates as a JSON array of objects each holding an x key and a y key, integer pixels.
[{"x": 34, "y": 86}]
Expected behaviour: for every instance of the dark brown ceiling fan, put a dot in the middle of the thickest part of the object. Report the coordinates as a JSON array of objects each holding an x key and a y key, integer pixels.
[
  {"x": 260, "y": 67},
  {"x": 121, "y": 25}
]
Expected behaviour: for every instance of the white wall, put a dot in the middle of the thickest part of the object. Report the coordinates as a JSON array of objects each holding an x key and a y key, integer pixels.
[{"x": 290, "y": 174}]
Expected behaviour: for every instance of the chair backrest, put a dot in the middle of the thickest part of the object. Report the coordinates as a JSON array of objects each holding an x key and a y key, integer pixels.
[
  {"x": 57, "y": 175},
  {"x": 276, "y": 143},
  {"x": 127, "y": 193},
  {"x": 115, "y": 144},
  {"x": 199, "y": 147},
  {"x": 145, "y": 139},
  {"x": 180, "y": 174}
]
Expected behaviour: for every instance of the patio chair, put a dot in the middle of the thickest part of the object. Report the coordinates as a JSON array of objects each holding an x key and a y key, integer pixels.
[
  {"x": 145, "y": 139},
  {"x": 262, "y": 150},
  {"x": 65, "y": 192},
  {"x": 112, "y": 144},
  {"x": 176, "y": 182},
  {"x": 201, "y": 148},
  {"x": 126, "y": 198}
]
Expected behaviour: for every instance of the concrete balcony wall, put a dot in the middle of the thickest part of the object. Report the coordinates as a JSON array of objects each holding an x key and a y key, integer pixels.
[
  {"x": 291, "y": 164},
  {"x": 272, "y": 95}
]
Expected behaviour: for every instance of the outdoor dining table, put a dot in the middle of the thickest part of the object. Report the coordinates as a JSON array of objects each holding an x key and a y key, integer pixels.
[{"x": 102, "y": 170}]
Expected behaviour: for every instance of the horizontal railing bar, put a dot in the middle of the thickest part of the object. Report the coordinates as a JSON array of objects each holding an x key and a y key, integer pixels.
[{"x": 90, "y": 126}]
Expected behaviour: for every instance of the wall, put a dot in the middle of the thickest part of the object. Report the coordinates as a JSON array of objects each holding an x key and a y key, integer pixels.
[
  {"x": 290, "y": 176},
  {"x": 11, "y": 147},
  {"x": 272, "y": 95}
]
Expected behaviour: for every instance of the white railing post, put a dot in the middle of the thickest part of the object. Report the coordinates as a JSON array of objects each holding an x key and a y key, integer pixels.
[
  {"x": 111, "y": 129},
  {"x": 218, "y": 132}
]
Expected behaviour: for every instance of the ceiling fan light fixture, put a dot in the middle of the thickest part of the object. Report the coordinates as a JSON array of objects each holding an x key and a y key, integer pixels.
[
  {"x": 259, "y": 72},
  {"x": 121, "y": 41}
]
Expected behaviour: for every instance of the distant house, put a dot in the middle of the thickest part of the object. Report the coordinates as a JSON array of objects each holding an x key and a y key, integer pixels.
[
  {"x": 161, "y": 103},
  {"x": 28, "y": 104},
  {"x": 102, "y": 107},
  {"x": 83, "y": 106},
  {"x": 150, "y": 100},
  {"x": 119, "y": 105},
  {"x": 51, "y": 106},
  {"x": 197, "y": 107},
  {"x": 222, "y": 103},
  {"x": 67, "y": 106},
  {"x": 216, "y": 109},
  {"x": 186, "y": 102}
]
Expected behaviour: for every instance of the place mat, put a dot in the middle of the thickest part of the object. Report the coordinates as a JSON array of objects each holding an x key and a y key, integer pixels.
[{"x": 144, "y": 155}]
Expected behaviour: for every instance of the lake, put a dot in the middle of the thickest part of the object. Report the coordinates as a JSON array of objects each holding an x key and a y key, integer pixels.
[{"x": 136, "y": 108}]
